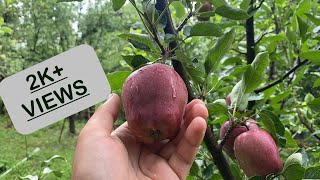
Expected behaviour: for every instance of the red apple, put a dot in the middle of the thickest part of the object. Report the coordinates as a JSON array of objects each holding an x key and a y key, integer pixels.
[
  {"x": 229, "y": 143},
  {"x": 257, "y": 153},
  {"x": 206, "y": 7},
  {"x": 154, "y": 98}
]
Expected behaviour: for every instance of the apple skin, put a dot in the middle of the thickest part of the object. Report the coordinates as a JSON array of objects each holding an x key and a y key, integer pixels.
[
  {"x": 154, "y": 98},
  {"x": 229, "y": 143},
  {"x": 206, "y": 7},
  {"x": 257, "y": 153}
]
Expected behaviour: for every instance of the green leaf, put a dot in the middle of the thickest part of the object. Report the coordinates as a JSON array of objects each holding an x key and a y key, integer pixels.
[
  {"x": 183, "y": 57},
  {"x": 316, "y": 83},
  {"x": 30, "y": 177},
  {"x": 295, "y": 158},
  {"x": 58, "y": 173},
  {"x": 218, "y": 51},
  {"x": 239, "y": 99},
  {"x": 116, "y": 79},
  {"x": 140, "y": 38},
  {"x": 313, "y": 56},
  {"x": 314, "y": 104},
  {"x": 135, "y": 61},
  {"x": 216, "y": 108},
  {"x": 197, "y": 74},
  {"x": 304, "y": 6},
  {"x": 294, "y": 172},
  {"x": 290, "y": 142},
  {"x": 194, "y": 169},
  {"x": 312, "y": 173},
  {"x": 245, "y": 4},
  {"x": 139, "y": 45},
  {"x": 47, "y": 170},
  {"x": 277, "y": 123},
  {"x": 206, "y": 29},
  {"x": 232, "y": 13},
  {"x": 208, "y": 171},
  {"x": 268, "y": 123},
  {"x": 303, "y": 28},
  {"x": 254, "y": 75},
  {"x": 218, "y": 3},
  {"x": 273, "y": 38},
  {"x": 314, "y": 19},
  {"x": 52, "y": 158},
  {"x": 179, "y": 9},
  {"x": 6, "y": 30},
  {"x": 1, "y": 21},
  {"x": 293, "y": 167},
  {"x": 117, "y": 4}
]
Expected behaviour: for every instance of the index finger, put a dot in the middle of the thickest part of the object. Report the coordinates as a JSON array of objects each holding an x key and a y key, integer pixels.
[{"x": 104, "y": 117}]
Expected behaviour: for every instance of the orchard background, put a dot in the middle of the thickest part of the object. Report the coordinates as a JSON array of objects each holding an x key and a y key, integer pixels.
[{"x": 264, "y": 53}]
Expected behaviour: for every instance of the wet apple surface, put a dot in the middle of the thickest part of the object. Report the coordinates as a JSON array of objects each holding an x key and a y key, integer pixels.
[{"x": 154, "y": 98}]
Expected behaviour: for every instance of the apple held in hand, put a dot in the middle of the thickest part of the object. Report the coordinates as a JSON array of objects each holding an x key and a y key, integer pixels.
[
  {"x": 229, "y": 143},
  {"x": 154, "y": 99},
  {"x": 257, "y": 153}
]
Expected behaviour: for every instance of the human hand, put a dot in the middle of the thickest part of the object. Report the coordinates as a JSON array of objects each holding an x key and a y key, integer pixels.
[{"x": 105, "y": 154}]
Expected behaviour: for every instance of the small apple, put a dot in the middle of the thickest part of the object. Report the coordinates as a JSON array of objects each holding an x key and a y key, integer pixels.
[
  {"x": 206, "y": 7},
  {"x": 154, "y": 98},
  {"x": 229, "y": 143},
  {"x": 257, "y": 153}
]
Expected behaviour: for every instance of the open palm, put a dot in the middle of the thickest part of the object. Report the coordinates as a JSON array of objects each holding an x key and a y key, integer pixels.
[{"x": 103, "y": 154}]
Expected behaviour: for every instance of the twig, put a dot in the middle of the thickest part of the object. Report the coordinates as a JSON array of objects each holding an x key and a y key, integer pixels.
[
  {"x": 259, "y": 5},
  {"x": 261, "y": 37},
  {"x": 226, "y": 136},
  {"x": 236, "y": 50},
  {"x": 282, "y": 78},
  {"x": 62, "y": 128},
  {"x": 217, "y": 155},
  {"x": 256, "y": 8},
  {"x": 184, "y": 22},
  {"x": 155, "y": 34},
  {"x": 308, "y": 126},
  {"x": 209, "y": 139}
]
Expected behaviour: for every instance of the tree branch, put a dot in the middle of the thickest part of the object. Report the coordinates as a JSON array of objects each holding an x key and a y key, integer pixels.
[
  {"x": 155, "y": 35},
  {"x": 223, "y": 141},
  {"x": 185, "y": 21},
  {"x": 282, "y": 78},
  {"x": 250, "y": 39},
  {"x": 260, "y": 38},
  {"x": 236, "y": 50},
  {"x": 305, "y": 123},
  {"x": 209, "y": 139},
  {"x": 250, "y": 54}
]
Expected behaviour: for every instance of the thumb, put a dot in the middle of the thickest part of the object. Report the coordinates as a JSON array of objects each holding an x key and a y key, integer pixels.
[{"x": 105, "y": 116}]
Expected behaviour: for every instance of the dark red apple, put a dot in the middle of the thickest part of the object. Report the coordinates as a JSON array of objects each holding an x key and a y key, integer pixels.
[
  {"x": 257, "y": 153},
  {"x": 206, "y": 7},
  {"x": 229, "y": 143},
  {"x": 154, "y": 98}
]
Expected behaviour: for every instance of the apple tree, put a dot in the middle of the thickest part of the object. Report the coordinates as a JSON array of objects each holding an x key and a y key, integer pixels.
[{"x": 246, "y": 59}]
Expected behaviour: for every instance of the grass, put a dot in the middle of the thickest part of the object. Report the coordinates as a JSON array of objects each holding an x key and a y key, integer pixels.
[{"x": 13, "y": 150}]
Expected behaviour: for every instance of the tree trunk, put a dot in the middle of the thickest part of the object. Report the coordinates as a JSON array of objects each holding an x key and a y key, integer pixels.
[{"x": 72, "y": 127}]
